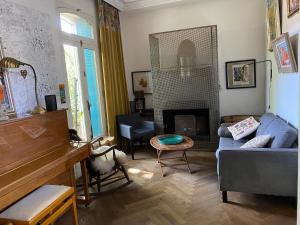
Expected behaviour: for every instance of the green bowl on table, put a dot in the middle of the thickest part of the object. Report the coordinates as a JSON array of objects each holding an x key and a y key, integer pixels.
[{"x": 170, "y": 139}]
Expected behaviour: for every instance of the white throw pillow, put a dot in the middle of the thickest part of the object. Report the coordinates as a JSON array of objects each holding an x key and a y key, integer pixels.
[
  {"x": 257, "y": 142},
  {"x": 243, "y": 128}
]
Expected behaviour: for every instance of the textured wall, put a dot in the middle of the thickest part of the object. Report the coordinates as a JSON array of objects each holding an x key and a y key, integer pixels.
[
  {"x": 285, "y": 87},
  {"x": 201, "y": 89},
  {"x": 27, "y": 36},
  {"x": 31, "y": 33},
  {"x": 241, "y": 35}
]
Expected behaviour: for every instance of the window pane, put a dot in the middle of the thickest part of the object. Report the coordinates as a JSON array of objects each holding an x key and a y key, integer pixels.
[
  {"x": 84, "y": 29},
  {"x": 67, "y": 26},
  {"x": 73, "y": 24},
  {"x": 93, "y": 92},
  {"x": 76, "y": 103}
]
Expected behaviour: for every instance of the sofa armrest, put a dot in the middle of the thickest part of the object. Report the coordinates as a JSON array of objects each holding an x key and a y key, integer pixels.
[
  {"x": 223, "y": 130},
  {"x": 260, "y": 171},
  {"x": 125, "y": 130}
]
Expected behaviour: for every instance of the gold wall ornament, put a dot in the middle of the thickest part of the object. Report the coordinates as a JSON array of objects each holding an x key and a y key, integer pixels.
[
  {"x": 24, "y": 73},
  {"x": 8, "y": 98}
]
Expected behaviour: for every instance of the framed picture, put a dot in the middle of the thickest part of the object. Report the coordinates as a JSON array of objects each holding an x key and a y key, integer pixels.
[
  {"x": 241, "y": 74},
  {"x": 5, "y": 90},
  {"x": 142, "y": 81},
  {"x": 273, "y": 21},
  {"x": 293, "y": 7},
  {"x": 284, "y": 54}
]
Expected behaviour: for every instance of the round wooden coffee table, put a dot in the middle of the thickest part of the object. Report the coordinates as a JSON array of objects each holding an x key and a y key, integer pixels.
[{"x": 160, "y": 148}]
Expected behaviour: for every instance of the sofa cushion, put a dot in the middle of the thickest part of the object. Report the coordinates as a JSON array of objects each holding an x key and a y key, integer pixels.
[
  {"x": 257, "y": 142},
  {"x": 265, "y": 121},
  {"x": 229, "y": 143},
  {"x": 284, "y": 136},
  {"x": 243, "y": 128}
]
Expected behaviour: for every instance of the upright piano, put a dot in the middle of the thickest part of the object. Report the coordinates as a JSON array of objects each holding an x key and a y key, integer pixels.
[{"x": 36, "y": 150}]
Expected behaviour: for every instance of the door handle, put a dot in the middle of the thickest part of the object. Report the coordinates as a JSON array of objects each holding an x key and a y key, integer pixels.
[{"x": 88, "y": 105}]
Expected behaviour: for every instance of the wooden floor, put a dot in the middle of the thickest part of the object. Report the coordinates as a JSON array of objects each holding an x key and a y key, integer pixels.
[{"x": 180, "y": 198}]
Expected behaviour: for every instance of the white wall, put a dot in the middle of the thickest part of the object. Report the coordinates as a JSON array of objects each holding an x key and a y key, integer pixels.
[
  {"x": 285, "y": 88},
  {"x": 241, "y": 29},
  {"x": 84, "y": 6},
  {"x": 298, "y": 207}
]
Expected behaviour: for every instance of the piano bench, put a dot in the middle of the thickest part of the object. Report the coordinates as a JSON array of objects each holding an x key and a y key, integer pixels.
[{"x": 42, "y": 207}]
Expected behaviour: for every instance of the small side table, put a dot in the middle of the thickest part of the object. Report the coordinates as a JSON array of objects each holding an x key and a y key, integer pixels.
[{"x": 160, "y": 148}]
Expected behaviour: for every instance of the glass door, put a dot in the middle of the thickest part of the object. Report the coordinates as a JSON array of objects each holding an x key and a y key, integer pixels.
[
  {"x": 76, "y": 109},
  {"x": 84, "y": 90},
  {"x": 93, "y": 92}
]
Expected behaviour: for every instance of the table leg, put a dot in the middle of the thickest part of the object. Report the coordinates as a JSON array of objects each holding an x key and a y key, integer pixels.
[
  {"x": 187, "y": 162},
  {"x": 159, "y": 161},
  {"x": 87, "y": 198}
]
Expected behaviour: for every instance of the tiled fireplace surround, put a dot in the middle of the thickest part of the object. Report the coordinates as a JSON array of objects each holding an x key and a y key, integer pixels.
[{"x": 199, "y": 90}]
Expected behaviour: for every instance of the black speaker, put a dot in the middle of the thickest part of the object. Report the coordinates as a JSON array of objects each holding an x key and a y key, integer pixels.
[{"x": 50, "y": 101}]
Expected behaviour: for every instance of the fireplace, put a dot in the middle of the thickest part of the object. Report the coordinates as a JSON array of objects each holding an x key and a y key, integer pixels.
[{"x": 191, "y": 122}]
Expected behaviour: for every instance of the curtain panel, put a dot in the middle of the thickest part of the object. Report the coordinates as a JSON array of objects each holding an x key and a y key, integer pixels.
[{"x": 112, "y": 65}]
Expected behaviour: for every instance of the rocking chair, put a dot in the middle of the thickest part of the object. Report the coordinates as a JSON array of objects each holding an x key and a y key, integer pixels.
[{"x": 104, "y": 162}]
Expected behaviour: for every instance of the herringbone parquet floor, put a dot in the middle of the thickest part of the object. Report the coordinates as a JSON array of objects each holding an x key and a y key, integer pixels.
[{"x": 181, "y": 198}]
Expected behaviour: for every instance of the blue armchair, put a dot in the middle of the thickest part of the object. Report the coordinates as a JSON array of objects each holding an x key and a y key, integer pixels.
[{"x": 132, "y": 127}]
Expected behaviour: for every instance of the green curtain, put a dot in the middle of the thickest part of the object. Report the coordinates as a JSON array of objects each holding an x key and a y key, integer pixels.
[{"x": 112, "y": 65}]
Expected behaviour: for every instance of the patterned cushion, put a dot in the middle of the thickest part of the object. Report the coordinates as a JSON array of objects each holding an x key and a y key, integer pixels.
[
  {"x": 257, "y": 142},
  {"x": 243, "y": 128}
]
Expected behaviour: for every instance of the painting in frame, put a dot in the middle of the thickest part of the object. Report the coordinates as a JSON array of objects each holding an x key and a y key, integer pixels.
[
  {"x": 241, "y": 74},
  {"x": 293, "y": 7},
  {"x": 142, "y": 81},
  {"x": 273, "y": 22},
  {"x": 5, "y": 90},
  {"x": 284, "y": 54}
]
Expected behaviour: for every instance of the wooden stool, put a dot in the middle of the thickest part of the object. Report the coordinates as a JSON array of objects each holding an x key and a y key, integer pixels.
[{"x": 43, "y": 206}]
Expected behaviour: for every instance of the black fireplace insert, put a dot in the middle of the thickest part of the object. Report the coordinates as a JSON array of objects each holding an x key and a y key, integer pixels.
[{"x": 191, "y": 122}]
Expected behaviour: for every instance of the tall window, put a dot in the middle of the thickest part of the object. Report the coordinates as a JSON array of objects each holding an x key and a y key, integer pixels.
[{"x": 81, "y": 57}]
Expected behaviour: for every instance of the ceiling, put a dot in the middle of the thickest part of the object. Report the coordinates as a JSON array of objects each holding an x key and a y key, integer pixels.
[{"x": 127, "y": 5}]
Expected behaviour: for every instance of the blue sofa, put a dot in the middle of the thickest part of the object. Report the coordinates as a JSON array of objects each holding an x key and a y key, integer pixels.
[{"x": 271, "y": 170}]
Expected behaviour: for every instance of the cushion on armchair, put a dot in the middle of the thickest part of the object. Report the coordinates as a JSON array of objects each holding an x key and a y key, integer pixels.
[{"x": 106, "y": 163}]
